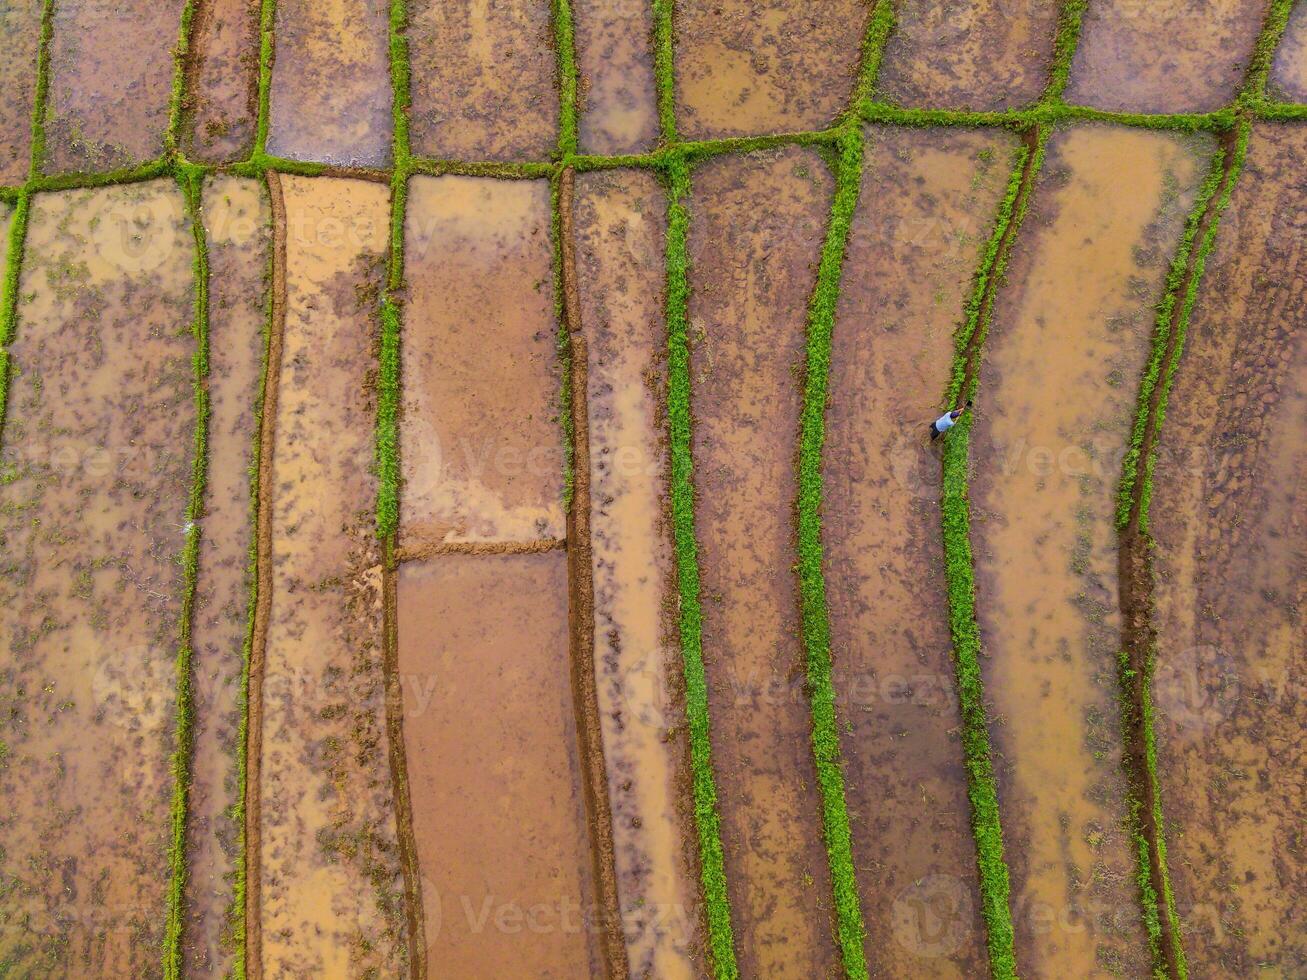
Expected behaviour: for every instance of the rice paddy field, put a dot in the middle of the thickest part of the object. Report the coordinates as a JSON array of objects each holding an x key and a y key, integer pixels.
[{"x": 467, "y": 508}]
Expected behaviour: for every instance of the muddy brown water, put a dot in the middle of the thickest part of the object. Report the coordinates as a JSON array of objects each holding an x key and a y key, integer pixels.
[
  {"x": 236, "y": 220},
  {"x": 756, "y": 229},
  {"x": 20, "y": 26},
  {"x": 1289, "y": 71},
  {"x": 614, "y": 55},
  {"x": 980, "y": 55},
  {"x": 331, "y": 884},
  {"x": 1071, "y": 332},
  {"x": 481, "y": 445},
  {"x": 331, "y": 92},
  {"x": 222, "y": 89},
  {"x": 762, "y": 66},
  {"x": 111, "y": 70},
  {"x": 484, "y": 79},
  {"x": 620, "y": 228},
  {"x": 491, "y": 741},
  {"x": 927, "y": 207},
  {"x": 96, "y": 467},
  {"x": 1121, "y": 66},
  {"x": 1231, "y": 563}
]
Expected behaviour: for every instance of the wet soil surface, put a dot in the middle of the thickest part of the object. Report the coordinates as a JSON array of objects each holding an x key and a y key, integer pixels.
[
  {"x": 331, "y": 82},
  {"x": 20, "y": 26},
  {"x": 764, "y": 66},
  {"x": 620, "y": 226},
  {"x": 756, "y": 229},
  {"x": 1123, "y": 64},
  {"x": 1070, "y": 335},
  {"x": 1289, "y": 72},
  {"x": 111, "y": 70},
  {"x": 491, "y": 741},
  {"x": 927, "y": 208},
  {"x": 1231, "y": 563},
  {"x": 481, "y": 445},
  {"x": 614, "y": 54},
  {"x": 94, "y": 480},
  {"x": 236, "y": 220},
  {"x": 332, "y": 889},
  {"x": 222, "y": 90},
  {"x": 982, "y": 55},
  {"x": 484, "y": 79}
]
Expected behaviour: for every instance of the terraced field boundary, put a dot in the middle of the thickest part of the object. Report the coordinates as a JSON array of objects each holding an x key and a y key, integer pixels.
[
  {"x": 1137, "y": 656},
  {"x": 258, "y": 574},
  {"x": 190, "y": 181},
  {"x": 959, "y": 569},
  {"x": 388, "y": 484}
]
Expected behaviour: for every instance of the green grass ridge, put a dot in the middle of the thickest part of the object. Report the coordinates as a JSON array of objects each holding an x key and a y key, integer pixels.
[
  {"x": 389, "y": 475},
  {"x": 721, "y": 939},
  {"x": 184, "y": 738},
  {"x": 850, "y": 928},
  {"x": 959, "y": 572},
  {"x": 565, "y": 51}
]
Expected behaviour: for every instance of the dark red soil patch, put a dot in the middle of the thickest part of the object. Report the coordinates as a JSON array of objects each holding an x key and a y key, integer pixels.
[{"x": 1231, "y": 562}]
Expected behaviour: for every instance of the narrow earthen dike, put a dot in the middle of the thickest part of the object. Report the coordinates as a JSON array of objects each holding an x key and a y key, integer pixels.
[
  {"x": 263, "y": 580},
  {"x": 1135, "y": 575},
  {"x": 580, "y": 576}
]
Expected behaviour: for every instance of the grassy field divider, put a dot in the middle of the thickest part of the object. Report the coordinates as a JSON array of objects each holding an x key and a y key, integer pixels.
[
  {"x": 959, "y": 570},
  {"x": 565, "y": 51},
  {"x": 664, "y": 65},
  {"x": 880, "y": 25},
  {"x": 190, "y": 184},
  {"x": 850, "y": 928},
  {"x": 717, "y": 906},
  {"x": 13, "y": 275},
  {"x": 1065, "y": 42},
  {"x": 1253, "y": 96}
]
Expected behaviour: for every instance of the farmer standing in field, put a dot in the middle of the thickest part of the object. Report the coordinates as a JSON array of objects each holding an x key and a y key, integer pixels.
[{"x": 946, "y": 422}]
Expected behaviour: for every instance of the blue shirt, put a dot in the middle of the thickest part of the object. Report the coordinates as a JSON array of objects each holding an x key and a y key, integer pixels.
[{"x": 945, "y": 422}]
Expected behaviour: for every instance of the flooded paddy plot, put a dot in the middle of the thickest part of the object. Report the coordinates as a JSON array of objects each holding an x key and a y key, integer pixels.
[
  {"x": 614, "y": 54},
  {"x": 491, "y": 743},
  {"x": 620, "y": 227},
  {"x": 484, "y": 79},
  {"x": 927, "y": 207},
  {"x": 1178, "y": 56},
  {"x": 980, "y": 55},
  {"x": 236, "y": 220},
  {"x": 222, "y": 89},
  {"x": 332, "y": 894},
  {"x": 1230, "y": 564},
  {"x": 331, "y": 92},
  {"x": 94, "y": 480},
  {"x": 762, "y": 66},
  {"x": 1289, "y": 72},
  {"x": 1071, "y": 332},
  {"x": 756, "y": 229},
  {"x": 20, "y": 26},
  {"x": 111, "y": 70},
  {"x": 481, "y": 445}
]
